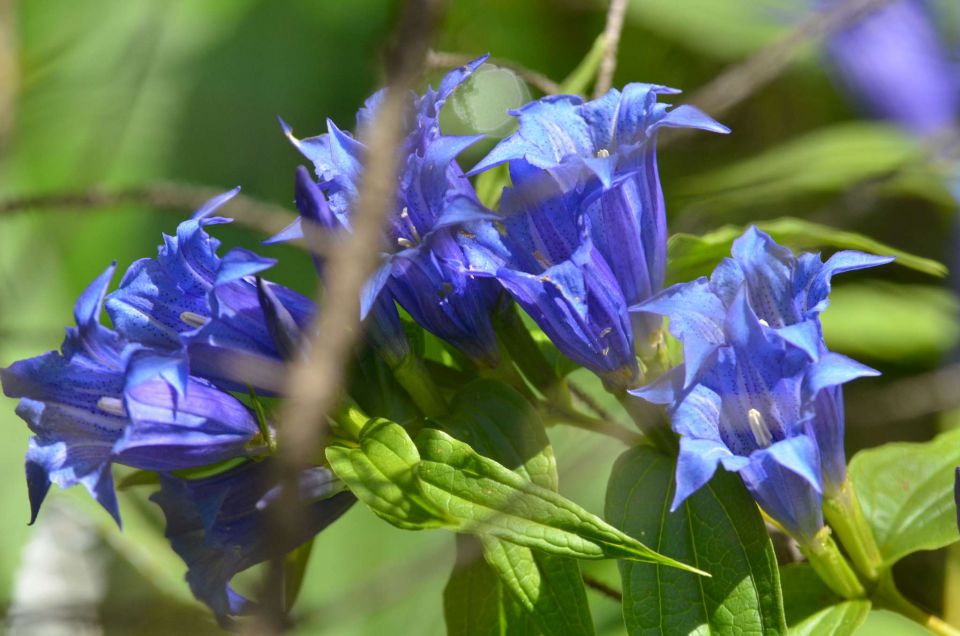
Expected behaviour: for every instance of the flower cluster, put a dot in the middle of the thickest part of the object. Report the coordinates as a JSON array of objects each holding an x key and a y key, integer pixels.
[
  {"x": 759, "y": 392},
  {"x": 578, "y": 241}
]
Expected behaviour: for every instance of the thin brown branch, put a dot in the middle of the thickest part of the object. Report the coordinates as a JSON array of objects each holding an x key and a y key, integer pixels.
[
  {"x": 180, "y": 197},
  {"x": 599, "y": 586},
  {"x": 314, "y": 384},
  {"x": 611, "y": 44},
  {"x": 446, "y": 59},
  {"x": 745, "y": 78}
]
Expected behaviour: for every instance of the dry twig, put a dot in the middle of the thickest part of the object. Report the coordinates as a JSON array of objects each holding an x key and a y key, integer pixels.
[
  {"x": 611, "y": 43},
  {"x": 314, "y": 384}
]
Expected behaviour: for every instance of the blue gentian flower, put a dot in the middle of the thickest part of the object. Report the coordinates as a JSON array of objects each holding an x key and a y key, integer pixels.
[
  {"x": 759, "y": 392},
  {"x": 219, "y": 525},
  {"x": 752, "y": 409},
  {"x": 585, "y": 176},
  {"x": 896, "y": 63},
  {"x": 87, "y": 412},
  {"x": 424, "y": 266},
  {"x": 205, "y": 314},
  {"x": 787, "y": 293}
]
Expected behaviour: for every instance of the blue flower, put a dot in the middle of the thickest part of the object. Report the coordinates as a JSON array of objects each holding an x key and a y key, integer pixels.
[
  {"x": 209, "y": 315},
  {"x": 592, "y": 237},
  {"x": 606, "y": 147},
  {"x": 896, "y": 64},
  {"x": 87, "y": 412},
  {"x": 752, "y": 409},
  {"x": 758, "y": 391},
  {"x": 219, "y": 525},
  {"x": 424, "y": 265},
  {"x": 787, "y": 293}
]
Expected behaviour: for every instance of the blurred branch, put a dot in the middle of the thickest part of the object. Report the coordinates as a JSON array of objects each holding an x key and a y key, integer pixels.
[
  {"x": 254, "y": 213},
  {"x": 445, "y": 59},
  {"x": 314, "y": 383},
  {"x": 611, "y": 44},
  {"x": 599, "y": 586},
  {"x": 9, "y": 76},
  {"x": 745, "y": 78},
  {"x": 916, "y": 396}
]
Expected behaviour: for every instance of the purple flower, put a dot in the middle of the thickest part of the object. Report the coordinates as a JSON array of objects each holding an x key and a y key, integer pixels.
[
  {"x": 219, "y": 525},
  {"x": 424, "y": 266},
  {"x": 87, "y": 412},
  {"x": 209, "y": 315},
  {"x": 787, "y": 293},
  {"x": 584, "y": 224},
  {"x": 896, "y": 64},
  {"x": 759, "y": 392}
]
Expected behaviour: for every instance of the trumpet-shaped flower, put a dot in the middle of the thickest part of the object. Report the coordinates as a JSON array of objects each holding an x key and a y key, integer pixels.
[
  {"x": 219, "y": 525},
  {"x": 787, "y": 293},
  {"x": 189, "y": 304},
  {"x": 87, "y": 412},
  {"x": 753, "y": 409},
  {"x": 424, "y": 266}
]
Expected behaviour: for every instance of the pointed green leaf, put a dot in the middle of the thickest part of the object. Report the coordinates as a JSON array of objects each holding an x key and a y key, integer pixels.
[
  {"x": 380, "y": 474},
  {"x": 500, "y": 424},
  {"x": 488, "y": 499},
  {"x": 718, "y": 529},
  {"x": 906, "y": 491},
  {"x": 690, "y": 256},
  {"x": 474, "y": 601},
  {"x": 842, "y": 619}
]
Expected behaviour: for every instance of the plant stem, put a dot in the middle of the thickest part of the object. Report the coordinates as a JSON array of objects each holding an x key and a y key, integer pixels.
[
  {"x": 888, "y": 596},
  {"x": 844, "y": 514},
  {"x": 831, "y": 566},
  {"x": 596, "y": 425},
  {"x": 412, "y": 375},
  {"x": 523, "y": 349},
  {"x": 652, "y": 421}
]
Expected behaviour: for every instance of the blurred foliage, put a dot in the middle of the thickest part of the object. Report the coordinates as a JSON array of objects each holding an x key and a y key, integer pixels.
[{"x": 123, "y": 93}]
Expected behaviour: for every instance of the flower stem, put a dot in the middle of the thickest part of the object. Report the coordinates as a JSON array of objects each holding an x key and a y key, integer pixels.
[
  {"x": 580, "y": 420},
  {"x": 523, "y": 349},
  {"x": 412, "y": 375},
  {"x": 844, "y": 514},
  {"x": 652, "y": 421},
  {"x": 888, "y": 596},
  {"x": 831, "y": 566}
]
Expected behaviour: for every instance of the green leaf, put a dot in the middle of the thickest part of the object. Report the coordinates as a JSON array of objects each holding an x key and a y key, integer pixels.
[
  {"x": 887, "y": 623},
  {"x": 474, "y": 602},
  {"x": 901, "y": 324},
  {"x": 827, "y": 160},
  {"x": 690, "y": 256},
  {"x": 585, "y": 73},
  {"x": 842, "y": 619},
  {"x": 500, "y": 424},
  {"x": 488, "y": 499},
  {"x": 718, "y": 528},
  {"x": 380, "y": 473},
  {"x": 906, "y": 491}
]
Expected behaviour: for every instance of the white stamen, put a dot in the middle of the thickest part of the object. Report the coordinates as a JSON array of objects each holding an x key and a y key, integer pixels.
[
  {"x": 759, "y": 428},
  {"x": 405, "y": 215},
  {"x": 192, "y": 319},
  {"x": 603, "y": 153},
  {"x": 111, "y": 405},
  {"x": 405, "y": 243},
  {"x": 764, "y": 323}
]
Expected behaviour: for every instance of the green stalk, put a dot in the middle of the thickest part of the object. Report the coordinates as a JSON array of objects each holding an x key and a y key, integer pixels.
[
  {"x": 412, "y": 375},
  {"x": 523, "y": 349},
  {"x": 888, "y": 596},
  {"x": 845, "y": 516},
  {"x": 294, "y": 569},
  {"x": 580, "y": 420},
  {"x": 832, "y": 568},
  {"x": 652, "y": 421}
]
